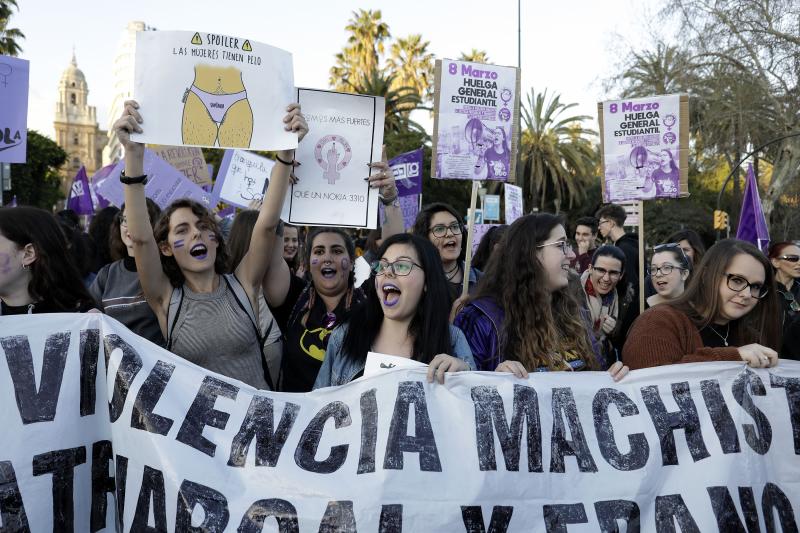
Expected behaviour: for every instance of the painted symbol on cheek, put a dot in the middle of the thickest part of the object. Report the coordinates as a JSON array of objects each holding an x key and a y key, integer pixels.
[
  {"x": 345, "y": 263},
  {"x": 178, "y": 244},
  {"x": 212, "y": 237},
  {"x": 315, "y": 261}
]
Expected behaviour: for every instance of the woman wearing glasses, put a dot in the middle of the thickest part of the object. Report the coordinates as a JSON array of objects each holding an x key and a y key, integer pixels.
[
  {"x": 727, "y": 313},
  {"x": 440, "y": 224},
  {"x": 524, "y": 317},
  {"x": 117, "y": 288},
  {"x": 669, "y": 269},
  {"x": 785, "y": 259},
  {"x": 404, "y": 314}
]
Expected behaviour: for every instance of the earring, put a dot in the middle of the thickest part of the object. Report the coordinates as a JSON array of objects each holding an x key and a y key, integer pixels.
[{"x": 25, "y": 267}]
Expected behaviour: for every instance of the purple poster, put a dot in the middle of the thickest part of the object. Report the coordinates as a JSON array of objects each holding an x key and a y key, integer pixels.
[
  {"x": 641, "y": 148},
  {"x": 407, "y": 170},
  {"x": 13, "y": 109},
  {"x": 80, "y": 196},
  {"x": 165, "y": 184},
  {"x": 480, "y": 230},
  {"x": 410, "y": 207}
]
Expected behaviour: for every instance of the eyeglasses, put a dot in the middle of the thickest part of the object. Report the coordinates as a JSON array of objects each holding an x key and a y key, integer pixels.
[
  {"x": 794, "y": 305},
  {"x": 440, "y": 230},
  {"x": 738, "y": 284},
  {"x": 671, "y": 246},
  {"x": 664, "y": 270},
  {"x": 612, "y": 274},
  {"x": 123, "y": 220},
  {"x": 790, "y": 258},
  {"x": 401, "y": 267},
  {"x": 564, "y": 245}
]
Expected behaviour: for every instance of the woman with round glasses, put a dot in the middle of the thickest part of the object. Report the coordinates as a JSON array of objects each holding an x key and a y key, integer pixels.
[
  {"x": 729, "y": 312},
  {"x": 785, "y": 259},
  {"x": 440, "y": 224},
  {"x": 669, "y": 269},
  {"x": 404, "y": 314},
  {"x": 524, "y": 316}
]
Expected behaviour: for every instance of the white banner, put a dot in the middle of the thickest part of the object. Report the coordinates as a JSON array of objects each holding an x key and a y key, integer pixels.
[
  {"x": 164, "y": 444},
  {"x": 206, "y": 89},
  {"x": 345, "y": 135}
]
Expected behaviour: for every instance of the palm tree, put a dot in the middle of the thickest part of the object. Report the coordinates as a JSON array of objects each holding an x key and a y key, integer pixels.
[
  {"x": 665, "y": 70},
  {"x": 365, "y": 46},
  {"x": 475, "y": 56},
  {"x": 9, "y": 37},
  {"x": 399, "y": 100},
  {"x": 557, "y": 156},
  {"x": 412, "y": 65}
]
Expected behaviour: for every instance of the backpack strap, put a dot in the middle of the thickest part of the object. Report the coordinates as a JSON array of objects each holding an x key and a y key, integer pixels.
[
  {"x": 175, "y": 304},
  {"x": 244, "y": 303}
]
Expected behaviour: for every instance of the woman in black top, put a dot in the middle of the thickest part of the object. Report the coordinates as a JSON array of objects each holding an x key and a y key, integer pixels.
[{"x": 34, "y": 275}]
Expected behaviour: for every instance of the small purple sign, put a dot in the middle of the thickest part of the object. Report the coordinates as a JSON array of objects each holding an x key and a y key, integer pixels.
[
  {"x": 407, "y": 170},
  {"x": 80, "y": 196},
  {"x": 165, "y": 184},
  {"x": 13, "y": 109},
  {"x": 409, "y": 205}
]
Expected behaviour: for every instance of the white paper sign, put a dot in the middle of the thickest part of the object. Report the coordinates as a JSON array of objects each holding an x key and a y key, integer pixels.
[
  {"x": 378, "y": 363},
  {"x": 100, "y": 426},
  {"x": 243, "y": 177},
  {"x": 514, "y": 208},
  {"x": 345, "y": 135},
  {"x": 205, "y": 89}
]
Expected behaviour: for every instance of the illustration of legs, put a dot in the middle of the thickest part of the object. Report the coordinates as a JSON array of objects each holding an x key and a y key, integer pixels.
[
  {"x": 198, "y": 128},
  {"x": 236, "y": 129}
]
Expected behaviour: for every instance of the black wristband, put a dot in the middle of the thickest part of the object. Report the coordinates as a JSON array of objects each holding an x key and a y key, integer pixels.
[
  {"x": 132, "y": 180},
  {"x": 287, "y": 163}
]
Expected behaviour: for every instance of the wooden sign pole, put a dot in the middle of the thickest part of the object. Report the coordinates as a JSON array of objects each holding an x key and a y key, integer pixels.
[
  {"x": 641, "y": 256},
  {"x": 473, "y": 202}
]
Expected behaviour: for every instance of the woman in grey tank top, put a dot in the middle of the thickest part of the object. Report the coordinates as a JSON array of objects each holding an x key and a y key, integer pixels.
[{"x": 208, "y": 318}]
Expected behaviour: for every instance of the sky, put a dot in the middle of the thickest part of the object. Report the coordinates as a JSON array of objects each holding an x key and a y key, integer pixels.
[{"x": 568, "y": 46}]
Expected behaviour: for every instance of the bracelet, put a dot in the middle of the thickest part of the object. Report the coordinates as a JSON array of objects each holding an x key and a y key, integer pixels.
[
  {"x": 389, "y": 201},
  {"x": 287, "y": 163},
  {"x": 132, "y": 180}
]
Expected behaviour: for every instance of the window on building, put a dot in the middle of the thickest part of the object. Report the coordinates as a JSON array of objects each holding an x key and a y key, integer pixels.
[
  {"x": 73, "y": 84},
  {"x": 76, "y": 163},
  {"x": 72, "y": 98},
  {"x": 75, "y": 139}
]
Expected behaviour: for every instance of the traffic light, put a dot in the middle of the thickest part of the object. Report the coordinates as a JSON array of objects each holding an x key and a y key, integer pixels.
[{"x": 720, "y": 220}]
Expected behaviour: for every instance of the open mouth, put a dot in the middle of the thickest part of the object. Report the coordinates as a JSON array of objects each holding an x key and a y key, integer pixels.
[
  {"x": 328, "y": 272},
  {"x": 391, "y": 294},
  {"x": 199, "y": 251},
  {"x": 662, "y": 285},
  {"x": 451, "y": 246}
]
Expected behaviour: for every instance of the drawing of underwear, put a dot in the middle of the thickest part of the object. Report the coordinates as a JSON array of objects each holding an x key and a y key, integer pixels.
[{"x": 219, "y": 118}]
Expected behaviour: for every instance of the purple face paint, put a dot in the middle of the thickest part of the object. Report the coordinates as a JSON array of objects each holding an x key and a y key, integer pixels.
[
  {"x": 345, "y": 263},
  {"x": 315, "y": 261},
  {"x": 178, "y": 244},
  {"x": 212, "y": 237}
]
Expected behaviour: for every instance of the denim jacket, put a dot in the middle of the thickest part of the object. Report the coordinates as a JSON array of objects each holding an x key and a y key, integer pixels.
[{"x": 339, "y": 368}]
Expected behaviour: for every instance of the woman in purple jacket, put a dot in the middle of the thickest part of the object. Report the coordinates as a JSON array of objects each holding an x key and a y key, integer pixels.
[{"x": 525, "y": 316}]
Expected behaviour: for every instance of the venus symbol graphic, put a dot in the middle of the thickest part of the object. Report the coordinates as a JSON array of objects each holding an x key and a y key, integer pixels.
[{"x": 336, "y": 157}]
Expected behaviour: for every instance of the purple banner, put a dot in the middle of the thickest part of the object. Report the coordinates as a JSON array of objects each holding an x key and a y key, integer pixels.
[
  {"x": 80, "y": 197},
  {"x": 410, "y": 207},
  {"x": 407, "y": 170},
  {"x": 752, "y": 222},
  {"x": 165, "y": 184},
  {"x": 13, "y": 109}
]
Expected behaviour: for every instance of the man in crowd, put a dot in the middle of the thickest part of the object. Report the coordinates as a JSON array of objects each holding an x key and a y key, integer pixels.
[{"x": 586, "y": 242}]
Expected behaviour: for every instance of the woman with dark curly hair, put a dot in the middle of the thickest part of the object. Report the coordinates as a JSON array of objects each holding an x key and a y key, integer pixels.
[{"x": 35, "y": 273}]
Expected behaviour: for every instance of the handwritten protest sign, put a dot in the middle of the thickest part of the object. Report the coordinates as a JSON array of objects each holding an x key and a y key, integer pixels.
[
  {"x": 206, "y": 89},
  {"x": 164, "y": 184},
  {"x": 14, "y": 74},
  {"x": 476, "y": 121},
  {"x": 100, "y": 425},
  {"x": 346, "y": 134},
  {"x": 480, "y": 231},
  {"x": 645, "y": 147},
  {"x": 188, "y": 159},
  {"x": 513, "y": 197},
  {"x": 243, "y": 177}
]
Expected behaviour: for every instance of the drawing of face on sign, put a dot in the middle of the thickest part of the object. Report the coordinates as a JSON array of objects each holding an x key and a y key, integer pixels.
[
  {"x": 246, "y": 189},
  {"x": 332, "y": 153},
  {"x": 216, "y": 110}
]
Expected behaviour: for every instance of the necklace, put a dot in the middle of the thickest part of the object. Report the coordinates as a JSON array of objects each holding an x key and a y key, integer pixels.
[
  {"x": 717, "y": 333},
  {"x": 451, "y": 273}
]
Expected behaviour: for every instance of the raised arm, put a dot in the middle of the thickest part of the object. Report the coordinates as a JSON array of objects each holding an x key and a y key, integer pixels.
[
  {"x": 255, "y": 263},
  {"x": 155, "y": 284},
  {"x": 382, "y": 178}
]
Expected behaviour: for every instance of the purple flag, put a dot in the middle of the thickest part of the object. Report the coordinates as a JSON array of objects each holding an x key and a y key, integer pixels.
[
  {"x": 752, "y": 223},
  {"x": 407, "y": 170},
  {"x": 97, "y": 199},
  {"x": 409, "y": 205},
  {"x": 80, "y": 199},
  {"x": 13, "y": 109}
]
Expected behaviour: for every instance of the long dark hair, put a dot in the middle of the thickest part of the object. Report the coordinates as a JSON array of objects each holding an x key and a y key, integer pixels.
[
  {"x": 486, "y": 246},
  {"x": 701, "y": 303},
  {"x": 54, "y": 277},
  {"x": 116, "y": 246},
  {"x": 239, "y": 237},
  {"x": 100, "y": 229},
  {"x": 694, "y": 241},
  {"x": 429, "y": 327},
  {"x": 538, "y": 326},
  {"x": 161, "y": 232},
  {"x": 422, "y": 224}
]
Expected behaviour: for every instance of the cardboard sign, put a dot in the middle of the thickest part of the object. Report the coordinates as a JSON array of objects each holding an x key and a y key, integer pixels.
[
  {"x": 205, "y": 89},
  {"x": 188, "y": 159},
  {"x": 14, "y": 73},
  {"x": 346, "y": 135},
  {"x": 476, "y": 121}
]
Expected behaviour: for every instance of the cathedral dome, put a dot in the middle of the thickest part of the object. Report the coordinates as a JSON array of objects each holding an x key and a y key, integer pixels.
[{"x": 73, "y": 76}]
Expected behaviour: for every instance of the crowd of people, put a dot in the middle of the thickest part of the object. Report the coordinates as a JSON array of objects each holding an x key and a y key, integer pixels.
[{"x": 278, "y": 307}]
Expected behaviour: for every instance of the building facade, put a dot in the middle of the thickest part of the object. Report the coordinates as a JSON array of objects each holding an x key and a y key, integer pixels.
[{"x": 75, "y": 124}]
